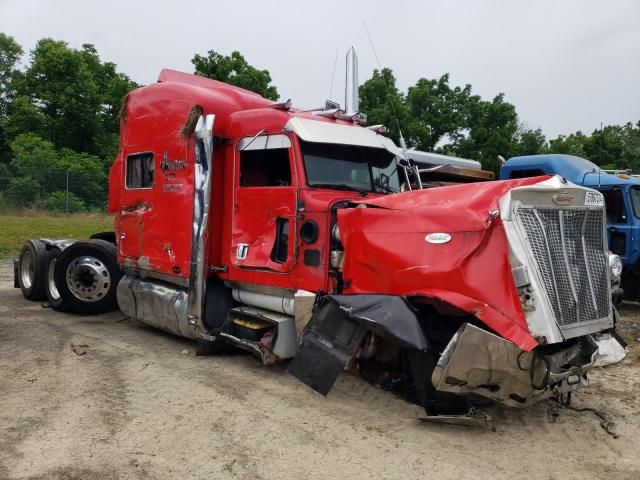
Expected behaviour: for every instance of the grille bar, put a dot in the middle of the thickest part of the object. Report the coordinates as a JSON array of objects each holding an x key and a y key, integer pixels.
[{"x": 568, "y": 246}]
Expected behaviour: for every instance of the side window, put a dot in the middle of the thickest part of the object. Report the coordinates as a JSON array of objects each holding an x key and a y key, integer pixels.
[
  {"x": 534, "y": 172},
  {"x": 614, "y": 203},
  {"x": 140, "y": 170},
  {"x": 265, "y": 168}
]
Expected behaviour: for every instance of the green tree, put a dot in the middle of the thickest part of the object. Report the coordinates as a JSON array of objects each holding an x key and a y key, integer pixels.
[
  {"x": 48, "y": 168},
  {"x": 440, "y": 112},
  {"x": 235, "y": 70},
  {"x": 22, "y": 192},
  {"x": 69, "y": 97},
  {"x": 434, "y": 116},
  {"x": 491, "y": 130},
  {"x": 529, "y": 142},
  {"x": 572, "y": 144},
  {"x": 60, "y": 202},
  {"x": 10, "y": 53},
  {"x": 384, "y": 104}
]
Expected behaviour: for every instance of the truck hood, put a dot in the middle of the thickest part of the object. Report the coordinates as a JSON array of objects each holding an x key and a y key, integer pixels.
[{"x": 447, "y": 244}]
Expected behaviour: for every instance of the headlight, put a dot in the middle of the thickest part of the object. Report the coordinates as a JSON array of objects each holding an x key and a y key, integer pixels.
[{"x": 615, "y": 267}]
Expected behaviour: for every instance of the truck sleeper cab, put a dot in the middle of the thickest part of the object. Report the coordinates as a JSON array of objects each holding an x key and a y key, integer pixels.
[{"x": 245, "y": 222}]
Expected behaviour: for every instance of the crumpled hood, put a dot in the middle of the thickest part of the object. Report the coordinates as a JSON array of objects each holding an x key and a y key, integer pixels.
[{"x": 387, "y": 251}]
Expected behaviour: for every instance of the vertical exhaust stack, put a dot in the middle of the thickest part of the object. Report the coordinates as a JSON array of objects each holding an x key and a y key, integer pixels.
[{"x": 351, "y": 101}]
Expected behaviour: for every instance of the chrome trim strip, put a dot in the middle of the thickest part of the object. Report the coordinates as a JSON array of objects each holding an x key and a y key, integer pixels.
[{"x": 201, "y": 199}]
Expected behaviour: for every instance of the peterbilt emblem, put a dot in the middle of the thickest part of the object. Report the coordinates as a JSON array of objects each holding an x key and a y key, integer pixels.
[
  {"x": 563, "y": 198},
  {"x": 438, "y": 238},
  {"x": 169, "y": 167}
]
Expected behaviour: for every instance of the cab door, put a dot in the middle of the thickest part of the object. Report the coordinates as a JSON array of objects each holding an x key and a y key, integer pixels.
[
  {"x": 156, "y": 221},
  {"x": 264, "y": 210},
  {"x": 618, "y": 222}
]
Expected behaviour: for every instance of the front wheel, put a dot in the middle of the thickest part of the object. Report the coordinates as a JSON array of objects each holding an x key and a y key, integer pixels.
[
  {"x": 86, "y": 276},
  {"x": 434, "y": 402}
]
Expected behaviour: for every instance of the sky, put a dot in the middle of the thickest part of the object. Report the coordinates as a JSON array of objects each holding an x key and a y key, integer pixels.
[{"x": 566, "y": 65}]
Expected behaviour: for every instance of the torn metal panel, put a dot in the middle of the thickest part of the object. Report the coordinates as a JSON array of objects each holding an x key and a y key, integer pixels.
[
  {"x": 303, "y": 308},
  {"x": 326, "y": 347},
  {"x": 476, "y": 361},
  {"x": 163, "y": 306},
  {"x": 387, "y": 316}
]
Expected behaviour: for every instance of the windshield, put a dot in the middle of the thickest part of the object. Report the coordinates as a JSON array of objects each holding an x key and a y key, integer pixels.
[{"x": 350, "y": 167}]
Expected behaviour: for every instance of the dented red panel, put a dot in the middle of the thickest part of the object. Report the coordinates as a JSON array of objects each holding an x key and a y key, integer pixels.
[
  {"x": 254, "y": 225},
  {"x": 386, "y": 251}
]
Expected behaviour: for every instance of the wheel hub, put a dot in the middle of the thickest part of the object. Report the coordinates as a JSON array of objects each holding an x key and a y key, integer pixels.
[{"x": 88, "y": 278}]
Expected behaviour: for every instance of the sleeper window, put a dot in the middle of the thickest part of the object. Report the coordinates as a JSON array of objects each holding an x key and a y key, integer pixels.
[
  {"x": 265, "y": 168},
  {"x": 140, "y": 170}
]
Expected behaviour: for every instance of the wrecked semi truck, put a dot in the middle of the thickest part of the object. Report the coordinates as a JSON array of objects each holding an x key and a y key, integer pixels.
[{"x": 244, "y": 222}]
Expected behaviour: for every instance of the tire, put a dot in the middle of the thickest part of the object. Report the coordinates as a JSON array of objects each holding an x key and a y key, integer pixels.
[
  {"x": 32, "y": 266},
  {"x": 50, "y": 287},
  {"x": 434, "y": 402},
  {"x": 86, "y": 275}
]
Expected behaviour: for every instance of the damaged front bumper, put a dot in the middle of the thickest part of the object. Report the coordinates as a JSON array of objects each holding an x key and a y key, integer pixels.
[{"x": 479, "y": 362}]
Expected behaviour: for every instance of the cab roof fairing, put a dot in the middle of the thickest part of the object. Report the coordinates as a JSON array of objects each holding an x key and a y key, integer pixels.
[{"x": 386, "y": 252}]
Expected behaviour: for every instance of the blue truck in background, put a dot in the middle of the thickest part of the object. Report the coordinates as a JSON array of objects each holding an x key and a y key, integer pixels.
[{"x": 621, "y": 193}]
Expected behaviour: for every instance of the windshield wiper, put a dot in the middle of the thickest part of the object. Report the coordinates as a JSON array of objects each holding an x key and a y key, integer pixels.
[{"x": 341, "y": 186}]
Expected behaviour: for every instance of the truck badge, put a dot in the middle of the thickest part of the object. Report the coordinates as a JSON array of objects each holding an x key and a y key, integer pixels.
[
  {"x": 169, "y": 167},
  {"x": 563, "y": 198},
  {"x": 438, "y": 238}
]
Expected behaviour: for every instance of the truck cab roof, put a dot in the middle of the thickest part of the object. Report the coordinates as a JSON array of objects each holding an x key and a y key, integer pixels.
[{"x": 575, "y": 169}]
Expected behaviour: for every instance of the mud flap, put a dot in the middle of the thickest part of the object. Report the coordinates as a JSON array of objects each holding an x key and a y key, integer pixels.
[{"x": 337, "y": 328}]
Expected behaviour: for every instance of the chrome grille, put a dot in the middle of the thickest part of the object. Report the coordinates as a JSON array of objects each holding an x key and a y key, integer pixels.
[{"x": 569, "y": 249}]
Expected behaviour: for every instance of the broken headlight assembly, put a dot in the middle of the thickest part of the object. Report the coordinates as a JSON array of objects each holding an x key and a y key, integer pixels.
[{"x": 615, "y": 268}]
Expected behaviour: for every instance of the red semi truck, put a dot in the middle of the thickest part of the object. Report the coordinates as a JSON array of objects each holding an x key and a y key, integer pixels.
[{"x": 296, "y": 235}]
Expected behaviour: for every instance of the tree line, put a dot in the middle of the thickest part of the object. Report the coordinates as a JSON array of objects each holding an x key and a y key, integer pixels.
[{"x": 59, "y": 121}]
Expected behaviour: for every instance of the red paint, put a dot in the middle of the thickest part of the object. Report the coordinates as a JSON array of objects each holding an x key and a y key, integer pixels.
[
  {"x": 385, "y": 247},
  {"x": 386, "y": 252}
]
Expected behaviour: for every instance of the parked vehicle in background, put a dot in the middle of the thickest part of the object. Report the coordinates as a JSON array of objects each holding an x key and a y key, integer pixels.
[
  {"x": 621, "y": 193},
  {"x": 437, "y": 170},
  {"x": 248, "y": 223}
]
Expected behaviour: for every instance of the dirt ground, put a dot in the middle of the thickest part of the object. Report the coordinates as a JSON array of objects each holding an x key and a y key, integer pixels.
[{"x": 137, "y": 406}]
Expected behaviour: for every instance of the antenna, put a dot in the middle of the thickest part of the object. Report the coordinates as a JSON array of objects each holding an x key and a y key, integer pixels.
[
  {"x": 403, "y": 144},
  {"x": 335, "y": 62}
]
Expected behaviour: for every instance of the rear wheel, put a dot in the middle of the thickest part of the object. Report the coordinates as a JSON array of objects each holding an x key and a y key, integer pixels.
[
  {"x": 86, "y": 277},
  {"x": 32, "y": 265},
  {"x": 50, "y": 287}
]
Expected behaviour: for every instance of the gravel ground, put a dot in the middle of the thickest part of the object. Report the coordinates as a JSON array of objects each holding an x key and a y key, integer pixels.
[{"x": 135, "y": 405}]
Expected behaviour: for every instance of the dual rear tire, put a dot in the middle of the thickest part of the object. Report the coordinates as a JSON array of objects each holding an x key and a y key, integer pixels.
[{"x": 82, "y": 278}]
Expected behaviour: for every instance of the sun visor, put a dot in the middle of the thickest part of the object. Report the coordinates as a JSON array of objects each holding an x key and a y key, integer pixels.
[{"x": 326, "y": 132}]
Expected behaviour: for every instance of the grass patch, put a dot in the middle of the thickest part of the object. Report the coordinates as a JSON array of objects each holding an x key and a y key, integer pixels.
[{"x": 15, "y": 229}]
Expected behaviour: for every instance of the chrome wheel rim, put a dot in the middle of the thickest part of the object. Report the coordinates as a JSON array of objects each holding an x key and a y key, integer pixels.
[
  {"x": 27, "y": 269},
  {"x": 51, "y": 282},
  {"x": 88, "y": 278}
]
